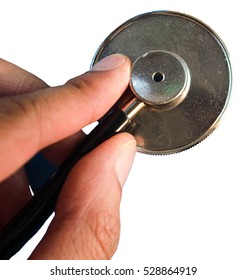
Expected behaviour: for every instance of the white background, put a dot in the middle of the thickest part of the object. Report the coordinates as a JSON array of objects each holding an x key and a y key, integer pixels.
[{"x": 187, "y": 209}]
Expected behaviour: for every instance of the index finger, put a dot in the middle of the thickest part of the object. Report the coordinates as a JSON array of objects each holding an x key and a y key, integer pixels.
[
  {"x": 15, "y": 80},
  {"x": 33, "y": 121}
]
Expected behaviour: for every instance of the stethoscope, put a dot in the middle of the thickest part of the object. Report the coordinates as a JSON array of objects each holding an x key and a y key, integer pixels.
[{"x": 179, "y": 88}]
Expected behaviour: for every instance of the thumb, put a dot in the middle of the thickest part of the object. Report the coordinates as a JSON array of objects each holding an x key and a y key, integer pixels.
[{"x": 87, "y": 222}]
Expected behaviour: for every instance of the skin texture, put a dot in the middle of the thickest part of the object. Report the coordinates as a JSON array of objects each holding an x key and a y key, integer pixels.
[{"x": 35, "y": 117}]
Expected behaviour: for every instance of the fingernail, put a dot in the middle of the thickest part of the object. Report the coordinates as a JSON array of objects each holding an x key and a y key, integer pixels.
[
  {"x": 109, "y": 62},
  {"x": 124, "y": 161}
]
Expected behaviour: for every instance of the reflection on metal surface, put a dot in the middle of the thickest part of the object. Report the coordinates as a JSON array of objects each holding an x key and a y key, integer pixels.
[{"x": 181, "y": 71}]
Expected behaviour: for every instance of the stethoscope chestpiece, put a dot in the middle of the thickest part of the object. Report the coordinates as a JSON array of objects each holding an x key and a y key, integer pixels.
[
  {"x": 181, "y": 72},
  {"x": 160, "y": 79}
]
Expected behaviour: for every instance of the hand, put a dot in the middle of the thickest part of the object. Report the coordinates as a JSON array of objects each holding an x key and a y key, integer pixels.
[{"x": 35, "y": 117}]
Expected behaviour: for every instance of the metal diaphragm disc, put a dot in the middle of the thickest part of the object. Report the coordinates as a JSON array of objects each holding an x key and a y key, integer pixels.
[{"x": 198, "y": 53}]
